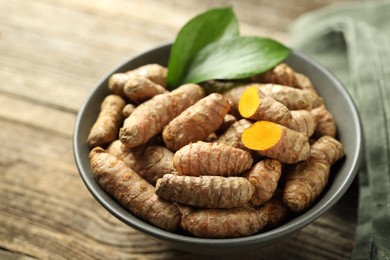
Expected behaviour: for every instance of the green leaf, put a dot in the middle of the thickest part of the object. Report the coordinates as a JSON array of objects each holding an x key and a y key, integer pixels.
[
  {"x": 235, "y": 58},
  {"x": 211, "y": 26}
]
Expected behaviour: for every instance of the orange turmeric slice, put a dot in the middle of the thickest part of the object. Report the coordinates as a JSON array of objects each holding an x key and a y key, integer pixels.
[
  {"x": 262, "y": 135},
  {"x": 249, "y": 102},
  {"x": 255, "y": 105},
  {"x": 276, "y": 141}
]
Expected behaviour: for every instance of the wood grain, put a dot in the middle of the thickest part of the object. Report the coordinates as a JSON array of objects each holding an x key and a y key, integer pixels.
[{"x": 52, "y": 52}]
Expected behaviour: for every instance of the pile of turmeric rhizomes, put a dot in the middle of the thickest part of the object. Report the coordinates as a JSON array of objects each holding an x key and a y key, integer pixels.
[{"x": 216, "y": 165}]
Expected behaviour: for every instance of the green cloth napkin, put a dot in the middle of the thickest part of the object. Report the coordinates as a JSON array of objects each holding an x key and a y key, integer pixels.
[{"x": 353, "y": 41}]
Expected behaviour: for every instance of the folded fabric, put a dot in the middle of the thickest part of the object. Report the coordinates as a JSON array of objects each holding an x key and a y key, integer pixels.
[{"x": 353, "y": 41}]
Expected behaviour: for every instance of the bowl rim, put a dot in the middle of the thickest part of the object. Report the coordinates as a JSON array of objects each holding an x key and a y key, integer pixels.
[{"x": 269, "y": 236}]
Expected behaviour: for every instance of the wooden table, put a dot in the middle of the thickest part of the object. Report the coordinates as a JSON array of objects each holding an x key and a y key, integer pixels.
[{"x": 52, "y": 52}]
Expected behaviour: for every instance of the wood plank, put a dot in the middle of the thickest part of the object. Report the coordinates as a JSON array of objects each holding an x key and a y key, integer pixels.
[
  {"x": 60, "y": 61},
  {"x": 5, "y": 254},
  {"x": 40, "y": 189},
  {"x": 36, "y": 115}
]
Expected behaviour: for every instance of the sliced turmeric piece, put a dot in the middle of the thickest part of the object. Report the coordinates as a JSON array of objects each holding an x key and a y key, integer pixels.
[
  {"x": 205, "y": 191},
  {"x": 277, "y": 142},
  {"x": 132, "y": 191},
  {"x": 306, "y": 180},
  {"x": 106, "y": 127},
  {"x": 254, "y": 104},
  {"x": 150, "y": 117},
  {"x": 224, "y": 223},
  {"x": 264, "y": 176},
  {"x": 216, "y": 159},
  {"x": 197, "y": 122}
]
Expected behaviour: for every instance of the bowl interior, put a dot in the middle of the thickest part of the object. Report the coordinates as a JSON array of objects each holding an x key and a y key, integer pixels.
[{"x": 337, "y": 100}]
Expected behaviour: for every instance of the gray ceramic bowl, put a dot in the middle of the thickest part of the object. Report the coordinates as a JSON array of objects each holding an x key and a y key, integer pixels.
[{"x": 338, "y": 102}]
